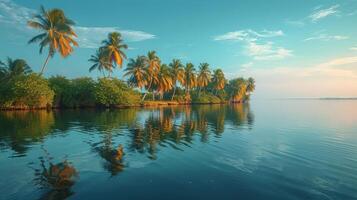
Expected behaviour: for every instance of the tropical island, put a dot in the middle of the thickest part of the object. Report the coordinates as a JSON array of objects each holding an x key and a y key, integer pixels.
[{"x": 148, "y": 81}]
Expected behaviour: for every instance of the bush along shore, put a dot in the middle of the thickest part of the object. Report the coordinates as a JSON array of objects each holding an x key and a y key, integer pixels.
[{"x": 147, "y": 80}]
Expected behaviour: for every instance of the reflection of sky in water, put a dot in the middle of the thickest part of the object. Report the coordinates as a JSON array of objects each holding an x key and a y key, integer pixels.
[{"x": 272, "y": 149}]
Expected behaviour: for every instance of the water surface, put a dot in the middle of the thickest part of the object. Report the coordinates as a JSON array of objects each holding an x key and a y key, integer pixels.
[{"x": 283, "y": 149}]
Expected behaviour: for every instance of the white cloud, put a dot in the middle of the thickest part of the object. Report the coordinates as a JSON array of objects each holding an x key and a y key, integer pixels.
[
  {"x": 13, "y": 13},
  {"x": 254, "y": 47},
  {"x": 322, "y": 13},
  {"x": 17, "y": 16},
  {"x": 267, "y": 51},
  {"x": 325, "y": 37},
  {"x": 353, "y": 48},
  {"x": 248, "y": 35},
  {"x": 91, "y": 37}
]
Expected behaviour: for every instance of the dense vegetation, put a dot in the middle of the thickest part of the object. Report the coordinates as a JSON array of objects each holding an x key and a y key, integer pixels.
[{"x": 147, "y": 77}]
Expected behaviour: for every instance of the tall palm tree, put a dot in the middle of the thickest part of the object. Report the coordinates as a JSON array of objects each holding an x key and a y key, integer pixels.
[
  {"x": 204, "y": 76},
  {"x": 57, "y": 33},
  {"x": 13, "y": 68},
  {"x": 153, "y": 69},
  {"x": 190, "y": 77},
  {"x": 177, "y": 72},
  {"x": 218, "y": 80},
  {"x": 136, "y": 71},
  {"x": 113, "y": 46},
  {"x": 100, "y": 61},
  {"x": 164, "y": 83}
]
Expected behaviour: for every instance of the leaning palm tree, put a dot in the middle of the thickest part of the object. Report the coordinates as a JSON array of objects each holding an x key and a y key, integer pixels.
[
  {"x": 204, "y": 76},
  {"x": 13, "y": 68},
  {"x": 136, "y": 71},
  {"x": 113, "y": 46},
  {"x": 177, "y": 72},
  {"x": 153, "y": 69},
  {"x": 218, "y": 80},
  {"x": 57, "y": 33},
  {"x": 100, "y": 62},
  {"x": 190, "y": 77}
]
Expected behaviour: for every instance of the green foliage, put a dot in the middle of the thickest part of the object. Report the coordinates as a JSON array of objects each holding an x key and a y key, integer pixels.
[
  {"x": 83, "y": 92},
  {"x": 31, "y": 91},
  {"x": 113, "y": 92},
  {"x": 78, "y": 92},
  {"x": 205, "y": 97}
]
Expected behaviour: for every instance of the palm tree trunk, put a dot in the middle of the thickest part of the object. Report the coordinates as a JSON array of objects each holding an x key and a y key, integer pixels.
[
  {"x": 46, "y": 62},
  {"x": 173, "y": 94}
]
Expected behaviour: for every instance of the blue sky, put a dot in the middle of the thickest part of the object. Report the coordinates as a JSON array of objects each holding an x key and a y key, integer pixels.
[{"x": 294, "y": 48}]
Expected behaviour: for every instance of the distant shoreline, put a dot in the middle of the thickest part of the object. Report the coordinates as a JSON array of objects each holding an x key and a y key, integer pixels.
[
  {"x": 142, "y": 105},
  {"x": 318, "y": 98}
]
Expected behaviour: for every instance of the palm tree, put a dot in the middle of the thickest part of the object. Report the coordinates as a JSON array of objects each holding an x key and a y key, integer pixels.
[
  {"x": 152, "y": 70},
  {"x": 137, "y": 71},
  {"x": 250, "y": 85},
  {"x": 218, "y": 80},
  {"x": 237, "y": 89},
  {"x": 164, "y": 82},
  {"x": 113, "y": 46},
  {"x": 177, "y": 72},
  {"x": 57, "y": 33},
  {"x": 190, "y": 77},
  {"x": 100, "y": 61},
  {"x": 13, "y": 68},
  {"x": 204, "y": 76}
]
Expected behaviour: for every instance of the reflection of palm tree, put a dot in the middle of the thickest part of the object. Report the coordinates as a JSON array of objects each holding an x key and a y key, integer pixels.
[{"x": 57, "y": 178}]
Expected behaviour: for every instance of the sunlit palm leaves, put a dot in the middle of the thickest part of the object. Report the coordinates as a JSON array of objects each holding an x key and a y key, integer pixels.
[
  {"x": 137, "y": 72},
  {"x": 218, "y": 80},
  {"x": 113, "y": 46},
  {"x": 177, "y": 72},
  {"x": 56, "y": 33},
  {"x": 204, "y": 75},
  {"x": 190, "y": 77}
]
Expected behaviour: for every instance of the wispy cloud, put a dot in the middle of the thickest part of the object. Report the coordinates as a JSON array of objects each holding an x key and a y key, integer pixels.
[
  {"x": 91, "y": 37},
  {"x": 248, "y": 35},
  {"x": 338, "y": 62},
  {"x": 17, "y": 16},
  {"x": 267, "y": 51},
  {"x": 325, "y": 37},
  {"x": 319, "y": 13},
  {"x": 13, "y": 13},
  {"x": 254, "y": 45}
]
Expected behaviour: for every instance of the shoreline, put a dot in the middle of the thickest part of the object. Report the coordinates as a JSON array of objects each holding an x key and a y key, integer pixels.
[{"x": 142, "y": 105}]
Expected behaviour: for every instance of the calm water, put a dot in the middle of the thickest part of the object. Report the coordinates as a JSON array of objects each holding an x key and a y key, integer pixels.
[{"x": 298, "y": 149}]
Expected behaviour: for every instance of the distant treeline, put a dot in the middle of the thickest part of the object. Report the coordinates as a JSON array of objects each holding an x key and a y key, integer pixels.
[{"x": 147, "y": 76}]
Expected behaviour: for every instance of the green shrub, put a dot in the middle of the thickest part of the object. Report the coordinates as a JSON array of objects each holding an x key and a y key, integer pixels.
[
  {"x": 205, "y": 98},
  {"x": 112, "y": 92},
  {"x": 83, "y": 92},
  {"x": 78, "y": 92},
  {"x": 31, "y": 91},
  {"x": 62, "y": 88}
]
